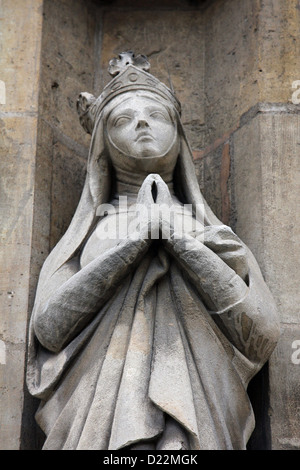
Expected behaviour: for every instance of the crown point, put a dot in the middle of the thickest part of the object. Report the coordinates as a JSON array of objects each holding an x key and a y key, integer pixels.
[{"x": 119, "y": 64}]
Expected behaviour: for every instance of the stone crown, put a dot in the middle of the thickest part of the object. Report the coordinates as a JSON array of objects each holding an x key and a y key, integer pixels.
[{"x": 130, "y": 73}]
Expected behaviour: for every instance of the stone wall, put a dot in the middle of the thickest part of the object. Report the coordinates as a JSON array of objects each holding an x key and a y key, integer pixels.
[
  {"x": 271, "y": 196},
  {"x": 68, "y": 63},
  {"x": 20, "y": 72},
  {"x": 252, "y": 57},
  {"x": 232, "y": 64}
]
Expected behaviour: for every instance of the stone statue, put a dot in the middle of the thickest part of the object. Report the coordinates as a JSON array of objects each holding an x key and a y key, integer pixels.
[{"x": 146, "y": 338}]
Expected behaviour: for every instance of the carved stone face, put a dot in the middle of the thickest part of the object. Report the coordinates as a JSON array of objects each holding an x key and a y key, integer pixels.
[{"x": 141, "y": 127}]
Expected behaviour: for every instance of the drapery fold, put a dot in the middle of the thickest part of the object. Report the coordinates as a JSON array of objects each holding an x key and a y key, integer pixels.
[{"x": 152, "y": 352}]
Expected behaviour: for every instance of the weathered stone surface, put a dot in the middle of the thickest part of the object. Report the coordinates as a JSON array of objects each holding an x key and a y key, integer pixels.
[
  {"x": 213, "y": 170},
  {"x": 67, "y": 63},
  {"x": 251, "y": 55},
  {"x": 278, "y": 49},
  {"x": 285, "y": 393},
  {"x": 17, "y": 178},
  {"x": 210, "y": 168},
  {"x": 20, "y": 54},
  {"x": 267, "y": 179},
  {"x": 12, "y": 394},
  {"x": 17, "y": 169},
  {"x": 68, "y": 66},
  {"x": 26, "y": 180},
  {"x": 41, "y": 223},
  {"x": 231, "y": 64},
  {"x": 68, "y": 174},
  {"x": 267, "y": 183}
]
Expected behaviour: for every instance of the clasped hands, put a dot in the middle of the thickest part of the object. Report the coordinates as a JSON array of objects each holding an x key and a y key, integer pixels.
[{"x": 160, "y": 217}]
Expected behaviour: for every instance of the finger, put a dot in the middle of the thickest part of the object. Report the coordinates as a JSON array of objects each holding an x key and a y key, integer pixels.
[
  {"x": 163, "y": 193},
  {"x": 145, "y": 192}
]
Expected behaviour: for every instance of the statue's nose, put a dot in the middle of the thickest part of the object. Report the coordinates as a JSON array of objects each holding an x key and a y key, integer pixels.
[{"x": 142, "y": 124}]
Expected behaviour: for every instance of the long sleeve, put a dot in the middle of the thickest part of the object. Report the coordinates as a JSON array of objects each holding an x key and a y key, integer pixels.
[
  {"x": 218, "y": 284},
  {"x": 74, "y": 302},
  {"x": 229, "y": 281}
]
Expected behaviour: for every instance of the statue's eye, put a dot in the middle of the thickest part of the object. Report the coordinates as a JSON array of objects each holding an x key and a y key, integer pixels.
[
  {"x": 160, "y": 115},
  {"x": 121, "y": 120}
]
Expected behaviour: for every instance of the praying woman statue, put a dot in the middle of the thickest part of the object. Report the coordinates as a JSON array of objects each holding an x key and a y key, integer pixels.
[{"x": 151, "y": 316}]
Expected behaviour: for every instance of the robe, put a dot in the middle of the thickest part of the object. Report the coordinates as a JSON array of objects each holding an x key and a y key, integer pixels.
[{"x": 155, "y": 364}]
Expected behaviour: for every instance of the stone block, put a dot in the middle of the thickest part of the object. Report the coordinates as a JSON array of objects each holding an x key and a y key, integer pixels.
[
  {"x": 67, "y": 66},
  {"x": 213, "y": 170},
  {"x": 211, "y": 167},
  {"x": 231, "y": 57},
  {"x": 248, "y": 187},
  {"x": 267, "y": 180},
  {"x": 11, "y": 395},
  {"x": 67, "y": 182},
  {"x": 20, "y": 28},
  {"x": 252, "y": 54},
  {"x": 285, "y": 392},
  {"x": 17, "y": 176},
  {"x": 40, "y": 241},
  {"x": 279, "y": 49},
  {"x": 266, "y": 184},
  {"x": 17, "y": 186}
]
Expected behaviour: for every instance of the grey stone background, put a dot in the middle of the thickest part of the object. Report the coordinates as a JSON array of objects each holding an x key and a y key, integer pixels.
[{"x": 232, "y": 64}]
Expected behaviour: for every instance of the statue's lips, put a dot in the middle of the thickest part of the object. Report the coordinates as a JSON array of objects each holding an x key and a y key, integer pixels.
[{"x": 144, "y": 136}]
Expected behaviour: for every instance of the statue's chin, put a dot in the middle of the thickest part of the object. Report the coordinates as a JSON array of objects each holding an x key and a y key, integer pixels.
[
  {"x": 146, "y": 149},
  {"x": 146, "y": 161},
  {"x": 147, "y": 153}
]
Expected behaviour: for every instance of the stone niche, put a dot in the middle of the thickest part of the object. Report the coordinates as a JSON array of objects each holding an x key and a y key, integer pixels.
[{"x": 232, "y": 64}]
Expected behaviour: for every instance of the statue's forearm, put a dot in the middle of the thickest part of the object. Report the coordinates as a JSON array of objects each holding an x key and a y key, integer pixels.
[
  {"x": 81, "y": 297},
  {"x": 219, "y": 285},
  {"x": 246, "y": 315}
]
